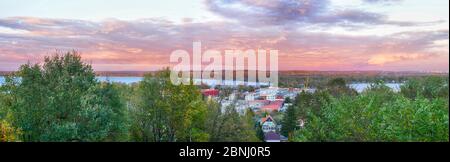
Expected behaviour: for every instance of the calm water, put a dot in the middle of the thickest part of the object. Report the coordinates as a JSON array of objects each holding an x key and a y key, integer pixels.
[
  {"x": 128, "y": 80},
  {"x": 212, "y": 82},
  {"x": 359, "y": 87}
]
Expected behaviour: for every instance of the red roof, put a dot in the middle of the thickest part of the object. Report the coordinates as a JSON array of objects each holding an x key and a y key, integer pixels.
[
  {"x": 266, "y": 118},
  {"x": 273, "y": 106},
  {"x": 210, "y": 92}
]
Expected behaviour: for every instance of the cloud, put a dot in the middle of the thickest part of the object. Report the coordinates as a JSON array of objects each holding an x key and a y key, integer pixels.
[
  {"x": 382, "y": 1},
  {"x": 297, "y": 12},
  {"x": 145, "y": 44},
  {"x": 268, "y": 12},
  {"x": 389, "y": 58}
]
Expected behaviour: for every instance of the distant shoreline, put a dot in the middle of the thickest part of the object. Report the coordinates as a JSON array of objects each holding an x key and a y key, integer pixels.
[{"x": 281, "y": 73}]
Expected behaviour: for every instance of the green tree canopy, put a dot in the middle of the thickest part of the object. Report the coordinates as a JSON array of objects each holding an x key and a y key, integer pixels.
[{"x": 62, "y": 101}]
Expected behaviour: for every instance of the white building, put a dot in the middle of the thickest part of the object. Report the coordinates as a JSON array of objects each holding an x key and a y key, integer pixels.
[
  {"x": 232, "y": 97},
  {"x": 268, "y": 93},
  {"x": 271, "y": 97},
  {"x": 250, "y": 97},
  {"x": 285, "y": 107}
]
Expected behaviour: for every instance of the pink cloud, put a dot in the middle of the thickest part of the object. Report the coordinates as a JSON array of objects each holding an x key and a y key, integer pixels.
[
  {"x": 389, "y": 58},
  {"x": 146, "y": 44}
]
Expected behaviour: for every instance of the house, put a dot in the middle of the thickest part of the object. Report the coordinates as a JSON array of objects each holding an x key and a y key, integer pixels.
[
  {"x": 270, "y": 97},
  {"x": 210, "y": 92},
  {"x": 268, "y": 93},
  {"x": 268, "y": 124}
]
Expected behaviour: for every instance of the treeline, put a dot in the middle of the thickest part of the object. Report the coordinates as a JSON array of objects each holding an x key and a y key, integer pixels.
[
  {"x": 62, "y": 101},
  {"x": 419, "y": 112},
  {"x": 321, "y": 79}
]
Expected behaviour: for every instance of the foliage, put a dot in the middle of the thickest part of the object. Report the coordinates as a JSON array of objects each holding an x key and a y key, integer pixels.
[
  {"x": 378, "y": 115},
  {"x": 166, "y": 112},
  {"x": 428, "y": 87},
  {"x": 289, "y": 122},
  {"x": 230, "y": 126},
  {"x": 338, "y": 87},
  {"x": 8, "y": 133},
  {"x": 62, "y": 101},
  {"x": 310, "y": 102}
]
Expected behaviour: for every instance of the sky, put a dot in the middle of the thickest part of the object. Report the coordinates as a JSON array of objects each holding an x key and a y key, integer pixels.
[{"x": 139, "y": 35}]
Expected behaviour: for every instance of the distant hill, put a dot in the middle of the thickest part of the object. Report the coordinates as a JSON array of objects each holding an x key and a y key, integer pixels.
[
  {"x": 3, "y": 73},
  {"x": 123, "y": 73},
  {"x": 354, "y": 73}
]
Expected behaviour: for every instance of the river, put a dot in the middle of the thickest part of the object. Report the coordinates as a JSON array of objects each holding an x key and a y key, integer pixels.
[{"x": 359, "y": 87}]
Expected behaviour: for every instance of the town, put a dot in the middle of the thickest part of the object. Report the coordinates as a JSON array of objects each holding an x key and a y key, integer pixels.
[{"x": 267, "y": 103}]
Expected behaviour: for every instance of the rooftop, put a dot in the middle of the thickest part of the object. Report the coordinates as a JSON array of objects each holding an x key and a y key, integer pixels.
[{"x": 271, "y": 136}]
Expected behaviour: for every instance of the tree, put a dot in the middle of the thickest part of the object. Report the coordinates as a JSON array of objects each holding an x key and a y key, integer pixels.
[
  {"x": 250, "y": 126},
  {"x": 166, "y": 112},
  {"x": 378, "y": 114},
  {"x": 306, "y": 102},
  {"x": 338, "y": 87},
  {"x": 214, "y": 120},
  {"x": 61, "y": 101},
  {"x": 230, "y": 126},
  {"x": 234, "y": 127},
  {"x": 110, "y": 111},
  {"x": 147, "y": 118},
  {"x": 337, "y": 82},
  {"x": 259, "y": 132},
  {"x": 287, "y": 100},
  {"x": 430, "y": 87},
  {"x": 7, "y": 132},
  {"x": 289, "y": 122}
]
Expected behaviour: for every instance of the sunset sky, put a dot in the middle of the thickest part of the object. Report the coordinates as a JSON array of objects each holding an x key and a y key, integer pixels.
[{"x": 119, "y": 35}]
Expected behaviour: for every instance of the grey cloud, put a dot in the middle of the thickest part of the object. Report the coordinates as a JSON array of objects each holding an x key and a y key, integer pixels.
[
  {"x": 296, "y": 12},
  {"x": 382, "y": 1},
  {"x": 268, "y": 12}
]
